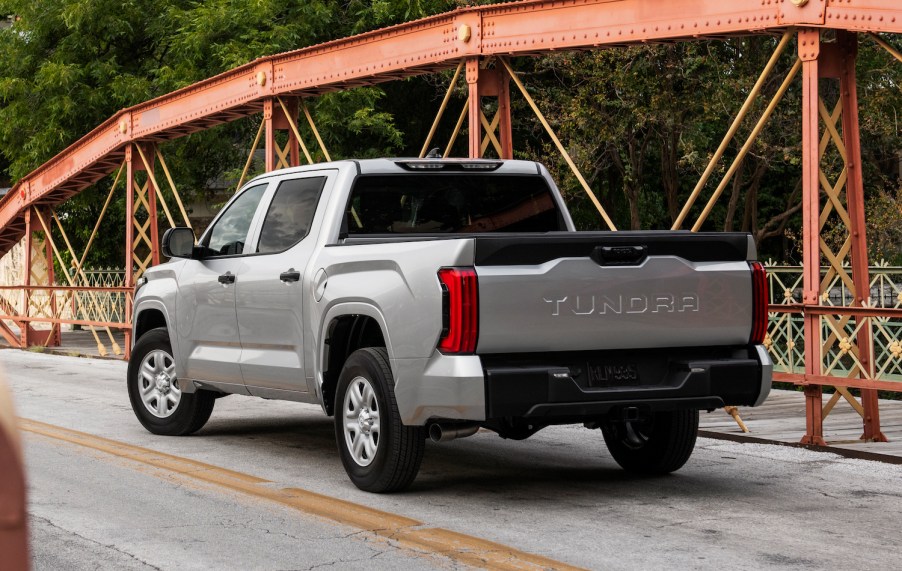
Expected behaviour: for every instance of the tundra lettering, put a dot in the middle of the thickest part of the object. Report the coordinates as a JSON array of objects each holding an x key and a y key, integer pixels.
[{"x": 657, "y": 303}]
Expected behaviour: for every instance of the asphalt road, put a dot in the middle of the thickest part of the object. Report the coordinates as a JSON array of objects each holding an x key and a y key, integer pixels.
[{"x": 111, "y": 498}]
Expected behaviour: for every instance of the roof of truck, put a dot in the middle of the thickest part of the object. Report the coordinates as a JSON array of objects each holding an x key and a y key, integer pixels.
[{"x": 402, "y": 165}]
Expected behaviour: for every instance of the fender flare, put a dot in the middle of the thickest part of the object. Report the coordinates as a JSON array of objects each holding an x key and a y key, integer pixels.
[
  {"x": 151, "y": 303},
  {"x": 335, "y": 311}
]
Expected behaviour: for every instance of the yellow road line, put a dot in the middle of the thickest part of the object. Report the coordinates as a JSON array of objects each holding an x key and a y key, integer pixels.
[{"x": 408, "y": 532}]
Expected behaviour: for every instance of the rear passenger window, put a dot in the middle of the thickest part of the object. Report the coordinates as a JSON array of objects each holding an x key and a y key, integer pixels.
[{"x": 290, "y": 214}]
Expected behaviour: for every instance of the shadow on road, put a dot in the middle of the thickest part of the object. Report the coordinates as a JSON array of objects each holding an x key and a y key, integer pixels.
[{"x": 553, "y": 464}]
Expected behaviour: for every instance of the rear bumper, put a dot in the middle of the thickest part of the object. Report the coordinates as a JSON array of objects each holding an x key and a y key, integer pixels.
[{"x": 557, "y": 387}]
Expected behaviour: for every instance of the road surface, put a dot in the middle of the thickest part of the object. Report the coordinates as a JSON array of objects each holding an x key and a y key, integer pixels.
[{"x": 261, "y": 487}]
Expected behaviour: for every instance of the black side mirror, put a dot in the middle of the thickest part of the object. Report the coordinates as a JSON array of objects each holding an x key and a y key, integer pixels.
[{"x": 178, "y": 242}]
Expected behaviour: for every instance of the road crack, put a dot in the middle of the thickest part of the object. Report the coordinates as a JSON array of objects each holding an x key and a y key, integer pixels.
[{"x": 109, "y": 546}]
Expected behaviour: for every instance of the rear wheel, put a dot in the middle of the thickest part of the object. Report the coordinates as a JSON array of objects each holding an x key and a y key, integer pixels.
[
  {"x": 379, "y": 453},
  {"x": 155, "y": 393},
  {"x": 658, "y": 444}
]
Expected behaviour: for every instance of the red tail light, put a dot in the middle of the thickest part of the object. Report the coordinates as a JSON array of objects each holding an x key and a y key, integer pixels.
[
  {"x": 760, "y": 299},
  {"x": 460, "y": 310}
]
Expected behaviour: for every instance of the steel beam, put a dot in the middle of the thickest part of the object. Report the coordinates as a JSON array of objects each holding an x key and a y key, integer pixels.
[
  {"x": 26, "y": 293},
  {"x": 474, "y": 113},
  {"x": 809, "y": 50},
  {"x": 129, "y": 237},
  {"x": 281, "y": 116},
  {"x": 848, "y": 50}
]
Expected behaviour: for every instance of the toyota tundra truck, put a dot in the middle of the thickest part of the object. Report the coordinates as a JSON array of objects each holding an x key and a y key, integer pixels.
[{"x": 429, "y": 298}]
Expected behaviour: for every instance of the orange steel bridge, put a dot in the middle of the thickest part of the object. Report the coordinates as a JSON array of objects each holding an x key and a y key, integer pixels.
[{"x": 479, "y": 43}]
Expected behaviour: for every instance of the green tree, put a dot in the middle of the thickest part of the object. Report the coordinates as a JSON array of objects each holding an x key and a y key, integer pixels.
[
  {"x": 643, "y": 122},
  {"x": 67, "y": 65},
  {"x": 640, "y": 122}
]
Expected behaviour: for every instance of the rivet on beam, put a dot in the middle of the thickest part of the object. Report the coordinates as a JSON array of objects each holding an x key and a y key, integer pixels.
[
  {"x": 463, "y": 33},
  {"x": 799, "y": 3},
  {"x": 261, "y": 78},
  {"x": 123, "y": 127}
]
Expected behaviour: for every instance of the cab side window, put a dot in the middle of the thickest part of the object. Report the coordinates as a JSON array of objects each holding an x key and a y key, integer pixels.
[
  {"x": 227, "y": 236},
  {"x": 290, "y": 214}
]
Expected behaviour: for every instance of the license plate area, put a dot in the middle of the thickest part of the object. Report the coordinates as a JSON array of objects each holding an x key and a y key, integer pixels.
[{"x": 608, "y": 375}]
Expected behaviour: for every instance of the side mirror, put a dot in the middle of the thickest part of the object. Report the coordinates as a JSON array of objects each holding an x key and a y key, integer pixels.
[{"x": 178, "y": 242}]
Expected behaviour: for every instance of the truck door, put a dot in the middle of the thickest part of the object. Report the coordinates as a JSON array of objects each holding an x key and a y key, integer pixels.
[
  {"x": 271, "y": 288},
  {"x": 207, "y": 321}
]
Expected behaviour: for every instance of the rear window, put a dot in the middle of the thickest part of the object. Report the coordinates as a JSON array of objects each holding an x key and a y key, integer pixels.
[{"x": 451, "y": 203}]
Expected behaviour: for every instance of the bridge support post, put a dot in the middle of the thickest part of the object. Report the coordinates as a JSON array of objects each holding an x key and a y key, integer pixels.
[
  {"x": 847, "y": 44},
  {"x": 150, "y": 155},
  {"x": 475, "y": 108},
  {"x": 276, "y": 119},
  {"x": 142, "y": 241},
  {"x": 809, "y": 48},
  {"x": 26, "y": 280},
  {"x": 843, "y": 208},
  {"x": 496, "y": 83},
  {"x": 52, "y": 338},
  {"x": 489, "y": 83},
  {"x": 129, "y": 241},
  {"x": 38, "y": 268},
  {"x": 504, "y": 113}
]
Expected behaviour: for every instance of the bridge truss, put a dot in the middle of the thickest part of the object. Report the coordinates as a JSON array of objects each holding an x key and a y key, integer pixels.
[{"x": 837, "y": 340}]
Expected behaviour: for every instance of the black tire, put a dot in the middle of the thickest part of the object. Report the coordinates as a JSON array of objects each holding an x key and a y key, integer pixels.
[
  {"x": 657, "y": 445},
  {"x": 398, "y": 448},
  {"x": 192, "y": 410}
]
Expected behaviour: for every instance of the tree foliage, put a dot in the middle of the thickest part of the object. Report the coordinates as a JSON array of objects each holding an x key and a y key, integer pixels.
[
  {"x": 641, "y": 122},
  {"x": 67, "y": 65}
]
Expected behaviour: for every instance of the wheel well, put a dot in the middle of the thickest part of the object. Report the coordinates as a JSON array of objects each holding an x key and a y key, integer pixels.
[
  {"x": 147, "y": 320},
  {"x": 345, "y": 335}
]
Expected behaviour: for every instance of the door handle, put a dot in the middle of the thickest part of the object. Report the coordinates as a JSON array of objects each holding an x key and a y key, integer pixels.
[
  {"x": 227, "y": 278},
  {"x": 290, "y": 276}
]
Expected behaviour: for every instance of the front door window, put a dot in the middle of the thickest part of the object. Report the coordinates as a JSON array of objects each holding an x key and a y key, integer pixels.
[{"x": 228, "y": 235}]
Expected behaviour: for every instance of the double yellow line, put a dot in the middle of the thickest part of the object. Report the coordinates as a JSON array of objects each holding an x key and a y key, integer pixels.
[{"x": 408, "y": 533}]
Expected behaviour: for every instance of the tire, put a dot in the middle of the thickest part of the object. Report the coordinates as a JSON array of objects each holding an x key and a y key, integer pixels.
[
  {"x": 379, "y": 453},
  {"x": 659, "y": 445},
  {"x": 154, "y": 393}
]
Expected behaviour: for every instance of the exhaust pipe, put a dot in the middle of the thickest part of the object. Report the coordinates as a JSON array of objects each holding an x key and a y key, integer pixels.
[{"x": 449, "y": 432}]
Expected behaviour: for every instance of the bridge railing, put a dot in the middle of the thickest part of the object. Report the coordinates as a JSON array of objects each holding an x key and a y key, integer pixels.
[
  {"x": 37, "y": 314},
  {"x": 843, "y": 329},
  {"x": 105, "y": 300}
]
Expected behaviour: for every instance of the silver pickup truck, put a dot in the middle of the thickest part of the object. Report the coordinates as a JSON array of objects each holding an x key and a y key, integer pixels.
[{"x": 415, "y": 298}]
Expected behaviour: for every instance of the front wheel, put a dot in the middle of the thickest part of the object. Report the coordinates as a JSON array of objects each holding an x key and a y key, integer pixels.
[
  {"x": 658, "y": 444},
  {"x": 379, "y": 453},
  {"x": 154, "y": 391}
]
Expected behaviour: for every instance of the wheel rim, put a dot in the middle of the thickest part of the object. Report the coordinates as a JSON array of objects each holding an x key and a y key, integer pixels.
[
  {"x": 159, "y": 388},
  {"x": 361, "y": 421}
]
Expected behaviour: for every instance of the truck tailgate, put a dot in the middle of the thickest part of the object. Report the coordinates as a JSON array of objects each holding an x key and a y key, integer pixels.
[{"x": 602, "y": 290}]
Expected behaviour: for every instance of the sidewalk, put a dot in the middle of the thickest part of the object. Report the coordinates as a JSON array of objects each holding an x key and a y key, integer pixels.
[
  {"x": 84, "y": 344},
  {"x": 781, "y": 420}
]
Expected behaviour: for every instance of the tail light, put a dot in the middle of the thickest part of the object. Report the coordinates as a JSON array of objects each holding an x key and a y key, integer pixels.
[
  {"x": 460, "y": 310},
  {"x": 760, "y": 298}
]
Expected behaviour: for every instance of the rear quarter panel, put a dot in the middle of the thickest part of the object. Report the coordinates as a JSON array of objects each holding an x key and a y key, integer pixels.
[{"x": 396, "y": 283}]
